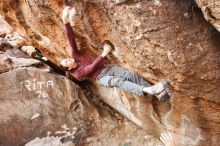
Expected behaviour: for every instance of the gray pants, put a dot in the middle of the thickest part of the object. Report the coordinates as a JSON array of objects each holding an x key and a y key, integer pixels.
[{"x": 114, "y": 76}]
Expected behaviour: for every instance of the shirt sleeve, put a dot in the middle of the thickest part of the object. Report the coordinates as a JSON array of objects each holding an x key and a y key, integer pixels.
[
  {"x": 71, "y": 39},
  {"x": 84, "y": 72}
]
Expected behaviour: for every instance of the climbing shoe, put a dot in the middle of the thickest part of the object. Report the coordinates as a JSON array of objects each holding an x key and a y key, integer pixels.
[
  {"x": 163, "y": 95},
  {"x": 159, "y": 87}
]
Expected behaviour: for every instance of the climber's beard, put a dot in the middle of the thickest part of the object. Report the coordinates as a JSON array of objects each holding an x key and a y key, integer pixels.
[{"x": 72, "y": 66}]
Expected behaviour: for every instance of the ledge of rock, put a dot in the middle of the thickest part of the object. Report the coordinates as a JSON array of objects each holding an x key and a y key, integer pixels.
[{"x": 159, "y": 39}]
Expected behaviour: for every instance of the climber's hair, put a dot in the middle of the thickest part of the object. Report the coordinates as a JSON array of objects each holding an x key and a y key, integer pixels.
[{"x": 108, "y": 43}]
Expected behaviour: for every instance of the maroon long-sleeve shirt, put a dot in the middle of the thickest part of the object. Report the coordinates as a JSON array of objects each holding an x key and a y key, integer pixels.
[{"x": 87, "y": 66}]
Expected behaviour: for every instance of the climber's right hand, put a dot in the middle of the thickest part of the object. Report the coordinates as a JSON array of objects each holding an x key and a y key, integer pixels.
[
  {"x": 106, "y": 50},
  {"x": 65, "y": 14}
]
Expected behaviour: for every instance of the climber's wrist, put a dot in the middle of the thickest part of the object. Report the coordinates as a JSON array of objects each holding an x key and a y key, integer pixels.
[
  {"x": 104, "y": 53},
  {"x": 65, "y": 21}
]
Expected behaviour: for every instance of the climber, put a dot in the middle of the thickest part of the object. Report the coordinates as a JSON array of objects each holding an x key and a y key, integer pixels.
[{"x": 83, "y": 66}]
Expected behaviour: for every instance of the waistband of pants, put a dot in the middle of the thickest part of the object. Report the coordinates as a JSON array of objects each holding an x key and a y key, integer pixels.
[{"x": 104, "y": 70}]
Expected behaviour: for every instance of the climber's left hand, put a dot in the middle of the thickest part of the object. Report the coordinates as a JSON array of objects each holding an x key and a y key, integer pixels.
[
  {"x": 72, "y": 14},
  {"x": 65, "y": 14}
]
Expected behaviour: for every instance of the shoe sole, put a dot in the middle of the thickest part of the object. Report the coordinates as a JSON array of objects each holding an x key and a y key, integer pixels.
[{"x": 163, "y": 95}]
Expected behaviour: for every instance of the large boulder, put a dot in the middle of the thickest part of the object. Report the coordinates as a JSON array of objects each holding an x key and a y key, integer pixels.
[
  {"x": 48, "y": 109},
  {"x": 36, "y": 104},
  {"x": 167, "y": 39}
]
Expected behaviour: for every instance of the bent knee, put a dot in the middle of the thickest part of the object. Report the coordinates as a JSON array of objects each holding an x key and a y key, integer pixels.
[{"x": 116, "y": 82}]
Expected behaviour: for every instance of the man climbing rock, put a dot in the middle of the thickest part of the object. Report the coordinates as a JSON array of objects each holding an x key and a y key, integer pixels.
[{"x": 83, "y": 66}]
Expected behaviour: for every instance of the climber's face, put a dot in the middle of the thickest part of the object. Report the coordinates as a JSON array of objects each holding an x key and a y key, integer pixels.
[{"x": 69, "y": 63}]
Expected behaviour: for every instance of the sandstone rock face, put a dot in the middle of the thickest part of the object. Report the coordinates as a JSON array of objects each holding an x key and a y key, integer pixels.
[
  {"x": 12, "y": 58},
  {"x": 167, "y": 39},
  {"x": 151, "y": 115},
  {"x": 37, "y": 104},
  {"x": 5, "y": 28},
  {"x": 211, "y": 11}
]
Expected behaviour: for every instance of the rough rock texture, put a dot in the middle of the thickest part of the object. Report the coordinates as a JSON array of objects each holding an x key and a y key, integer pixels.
[
  {"x": 12, "y": 58},
  {"x": 5, "y": 27},
  {"x": 120, "y": 135},
  {"x": 38, "y": 104},
  {"x": 211, "y": 11},
  {"x": 167, "y": 39},
  {"x": 153, "y": 116}
]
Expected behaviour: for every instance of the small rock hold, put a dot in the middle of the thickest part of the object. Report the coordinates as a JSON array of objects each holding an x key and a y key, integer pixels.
[
  {"x": 208, "y": 76},
  {"x": 157, "y": 3},
  {"x": 30, "y": 50},
  {"x": 137, "y": 23},
  {"x": 186, "y": 15},
  {"x": 119, "y": 1},
  {"x": 74, "y": 128},
  {"x": 48, "y": 133},
  {"x": 5, "y": 60},
  {"x": 65, "y": 127},
  {"x": 35, "y": 116}
]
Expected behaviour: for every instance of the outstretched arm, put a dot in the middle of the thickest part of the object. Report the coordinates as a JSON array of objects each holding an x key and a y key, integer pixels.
[
  {"x": 71, "y": 39},
  {"x": 68, "y": 30}
]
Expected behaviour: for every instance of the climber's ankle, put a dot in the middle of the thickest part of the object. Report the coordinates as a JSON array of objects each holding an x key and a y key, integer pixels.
[{"x": 148, "y": 90}]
